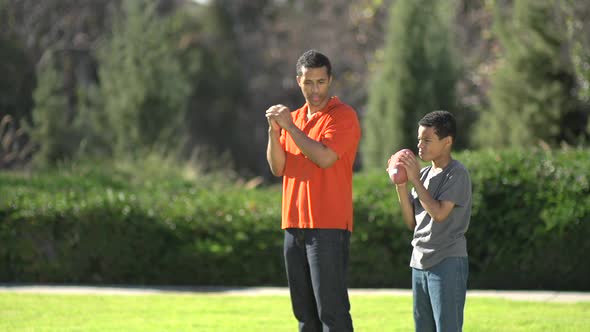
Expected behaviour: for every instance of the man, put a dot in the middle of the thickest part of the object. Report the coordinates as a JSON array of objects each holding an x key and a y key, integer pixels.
[
  {"x": 313, "y": 149},
  {"x": 438, "y": 211}
]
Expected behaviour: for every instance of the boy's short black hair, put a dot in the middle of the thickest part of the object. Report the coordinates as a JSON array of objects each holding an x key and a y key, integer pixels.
[
  {"x": 443, "y": 122},
  {"x": 313, "y": 59}
]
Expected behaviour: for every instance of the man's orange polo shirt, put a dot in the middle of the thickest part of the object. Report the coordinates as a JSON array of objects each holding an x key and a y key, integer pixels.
[{"x": 314, "y": 197}]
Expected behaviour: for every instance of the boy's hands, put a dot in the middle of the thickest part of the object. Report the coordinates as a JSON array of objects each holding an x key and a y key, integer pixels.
[
  {"x": 401, "y": 186},
  {"x": 410, "y": 163}
]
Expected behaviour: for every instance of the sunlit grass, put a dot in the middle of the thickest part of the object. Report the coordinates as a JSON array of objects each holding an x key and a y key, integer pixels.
[{"x": 205, "y": 312}]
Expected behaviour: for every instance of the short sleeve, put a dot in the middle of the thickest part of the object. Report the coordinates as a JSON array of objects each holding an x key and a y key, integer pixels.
[
  {"x": 457, "y": 187},
  {"x": 342, "y": 132}
]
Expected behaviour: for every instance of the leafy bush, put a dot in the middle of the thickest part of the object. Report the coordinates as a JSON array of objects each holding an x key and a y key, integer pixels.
[
  {"x": 85, "y": 228},
  {"x": 531, "y": 219}
]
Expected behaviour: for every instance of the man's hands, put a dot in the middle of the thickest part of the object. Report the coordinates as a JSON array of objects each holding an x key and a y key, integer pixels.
[
  {"x": 275, "y": 154},
  {"x": 279, "y": 116}
]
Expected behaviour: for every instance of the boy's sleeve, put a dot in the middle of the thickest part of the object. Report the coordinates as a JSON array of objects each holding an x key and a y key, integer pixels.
[{"x": 457, "y": 187}]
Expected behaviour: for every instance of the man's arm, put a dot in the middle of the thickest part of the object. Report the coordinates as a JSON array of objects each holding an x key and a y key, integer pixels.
[
  {"x": 275, "y": 155},
  {"x": 317, "y": 152},
  {"x": 406, "y": 206}
]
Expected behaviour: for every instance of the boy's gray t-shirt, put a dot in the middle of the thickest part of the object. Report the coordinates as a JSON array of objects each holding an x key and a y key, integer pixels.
[{"x": 435, "y": 241}]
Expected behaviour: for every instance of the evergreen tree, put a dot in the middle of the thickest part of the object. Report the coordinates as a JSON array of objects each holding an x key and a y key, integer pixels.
[
  {"x": 417, "y": 75},
  {"x": 51, "y": 129},
  {"x": 16, "y": 79},
  {"x": 143, "y": 85},
  {"x": 531, "y": 94},
  {"x": 91, "y": 121},
  {"x": 577, "y": 14},
  {"x": 218, "y": 130}
]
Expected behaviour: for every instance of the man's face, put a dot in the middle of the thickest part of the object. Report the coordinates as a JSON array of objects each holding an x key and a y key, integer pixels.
[
  {"x": 430, "y": 146},
  {"x": 315, "y": 85}
]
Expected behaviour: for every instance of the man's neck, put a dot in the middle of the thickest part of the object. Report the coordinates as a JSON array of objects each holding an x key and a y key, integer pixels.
[{"x": 311, "y": 110}]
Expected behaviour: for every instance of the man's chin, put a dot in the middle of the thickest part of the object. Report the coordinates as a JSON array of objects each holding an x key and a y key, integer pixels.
[{"x": 317, "y": 102}]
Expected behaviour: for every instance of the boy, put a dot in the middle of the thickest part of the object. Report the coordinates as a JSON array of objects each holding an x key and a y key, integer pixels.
[{"x": 438, "y": 210}]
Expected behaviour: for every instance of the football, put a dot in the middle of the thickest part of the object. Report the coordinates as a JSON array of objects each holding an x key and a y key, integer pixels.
[{"x": 397, "y": 173}]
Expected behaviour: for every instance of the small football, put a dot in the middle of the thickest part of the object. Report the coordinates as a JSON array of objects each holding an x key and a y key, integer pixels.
[{"x": 397, "y": 173}]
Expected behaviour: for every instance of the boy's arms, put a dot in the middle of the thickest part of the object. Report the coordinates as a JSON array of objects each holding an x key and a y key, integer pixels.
[
  {"x": 438, "y": 210},
  {"x": 406, "y": 206}
]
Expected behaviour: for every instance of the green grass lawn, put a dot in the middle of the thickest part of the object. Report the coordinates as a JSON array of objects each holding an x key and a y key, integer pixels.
[{"x": 203, "y": 312}]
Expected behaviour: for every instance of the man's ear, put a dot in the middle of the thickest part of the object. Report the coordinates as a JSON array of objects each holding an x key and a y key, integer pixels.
[{"x": 298, "y": 79}]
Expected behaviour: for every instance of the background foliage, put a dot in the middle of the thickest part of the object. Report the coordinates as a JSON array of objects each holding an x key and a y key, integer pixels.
[
  {"x": 192, "y": 79},
  {"x": 412, "y": 81},
  {"x": 534, "y": 85},
  {"x": 142, "y": 83},
  {"x": 528, "y": 231},
  {"x": 134, "y": 126}
]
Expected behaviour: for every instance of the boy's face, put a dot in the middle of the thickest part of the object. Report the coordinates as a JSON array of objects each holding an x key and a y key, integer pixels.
[{"x": 430, "y": 146}]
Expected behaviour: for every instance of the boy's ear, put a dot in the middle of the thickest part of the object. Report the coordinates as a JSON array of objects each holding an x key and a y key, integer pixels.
[{"x": 449, "y": 140}]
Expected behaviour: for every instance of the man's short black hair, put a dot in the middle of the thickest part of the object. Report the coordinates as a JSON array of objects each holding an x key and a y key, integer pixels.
[
  {"x": 443, "y": 122},
  {"x": 313, "y": 59}
]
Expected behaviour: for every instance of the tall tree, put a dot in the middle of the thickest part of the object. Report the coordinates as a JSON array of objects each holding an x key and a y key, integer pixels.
[
  {"x": 144, "y": 88},
  {"x": 208, "y": 55},
  {"x": 578, "y": 22},
  {"x": 417, "y": 75},
  {"x": 532, "y": 90},
  {"x": 51, "y": 128},
  {"x": 16, "y": 79}
]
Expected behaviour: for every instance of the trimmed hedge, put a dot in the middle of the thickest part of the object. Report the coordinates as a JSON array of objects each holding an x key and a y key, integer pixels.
[
  {"x": 146, "y": 235},
  {"x": 529, "y": 229}
]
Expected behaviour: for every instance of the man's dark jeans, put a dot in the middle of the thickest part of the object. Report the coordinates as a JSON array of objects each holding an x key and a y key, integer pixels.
[{"x": 317, "y": 271}]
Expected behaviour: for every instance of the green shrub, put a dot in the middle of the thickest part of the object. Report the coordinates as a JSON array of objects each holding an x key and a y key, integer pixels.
[
  {"x": 529, "y": 229},
  {"x": 72, "y": 229},
  {"x": 530, "y": 220}
]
